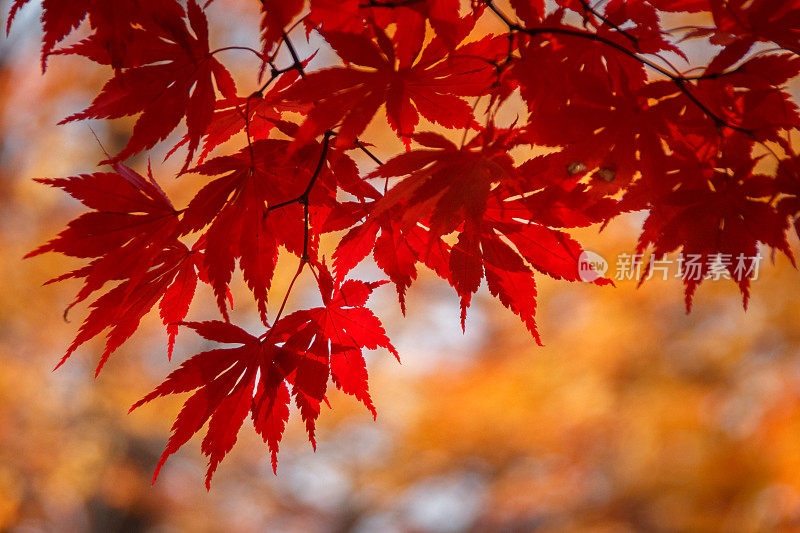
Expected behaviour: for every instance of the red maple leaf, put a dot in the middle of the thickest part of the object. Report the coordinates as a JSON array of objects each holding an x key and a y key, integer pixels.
[
  {"x": 463, "y": 190},
  {"x": 411, "y": 85},
  {"x": 300, "y": 351},
  {"x": 740, "y": 24},
  {"x": 228, "y": 384},
  {"x": 253, "y": 209},
  {"x": 132, "y": 237},
  {"x": 115, "y": 24},
  {"x": 258, "y": 114},
  {"x": 396, "y": 249},
  {"x": 719, "y": 219},
  {"x": 276, "y": 16},
  {"x": 338, "y": 332},
  {"x": 173, "y": 81}
]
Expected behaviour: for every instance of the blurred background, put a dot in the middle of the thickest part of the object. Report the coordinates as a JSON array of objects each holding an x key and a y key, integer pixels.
[{"x": 633, "y": 417}]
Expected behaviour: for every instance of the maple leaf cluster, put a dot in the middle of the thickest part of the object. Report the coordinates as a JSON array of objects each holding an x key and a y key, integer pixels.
[{"x": 706, "y": 150}]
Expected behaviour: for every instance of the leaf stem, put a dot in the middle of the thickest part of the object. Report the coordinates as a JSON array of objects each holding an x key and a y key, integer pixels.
[
  {"x": 286, "y": 296},
  {"x": 364, "y": 149},
  {"x": 247, "y": 48},
  {"x": 303, "y": 199}
]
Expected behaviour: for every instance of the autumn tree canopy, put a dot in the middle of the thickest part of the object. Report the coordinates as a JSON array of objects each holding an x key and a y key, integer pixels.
[{"x": 620, "y": 113}]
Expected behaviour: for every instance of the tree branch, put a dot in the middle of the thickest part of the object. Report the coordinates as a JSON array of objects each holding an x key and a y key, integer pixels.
[
  {"x": 678, "y": 80},
  {"x": 297, "y": 63},
  {"x": 634, "y": 40}
]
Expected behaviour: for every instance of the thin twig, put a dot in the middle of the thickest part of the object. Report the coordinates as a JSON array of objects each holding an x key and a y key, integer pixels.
[
  {"x": 304, "y": 196},
  {"x": 366, "y": 151},
  {"x": 634, "y": 41},
  {"x": 286, "y": 296},
  {"x": 297, "y": 63},
  {"x": 256, "y": 52},
  {"x": 247, "y": 128},
  {"x": 467, "y": 128},
  {"x": 304, "y": 200},
  {"x": 677, "y": 80}
]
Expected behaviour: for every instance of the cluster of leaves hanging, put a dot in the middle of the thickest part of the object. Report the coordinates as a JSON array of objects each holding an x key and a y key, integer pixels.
[{"x": 625, "y": 128}]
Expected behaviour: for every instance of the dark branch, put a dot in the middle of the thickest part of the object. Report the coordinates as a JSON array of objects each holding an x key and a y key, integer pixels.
[
  {"x": 678, "y": 80},
  {"x": 366, "y": 151},
  {"x": 304, "y": 200},
  {"x": 297, "y": 63},
  {"x": 634, "y": 40}
]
